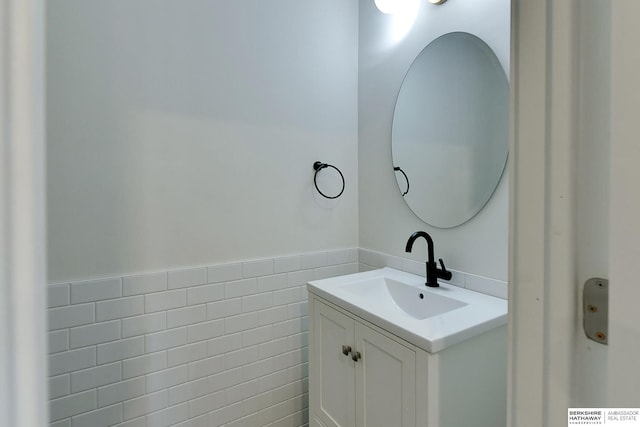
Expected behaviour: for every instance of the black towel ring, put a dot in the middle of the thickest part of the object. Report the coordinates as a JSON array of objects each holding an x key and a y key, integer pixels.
[
  {"x": 318, "y": 166},
  {"x": 398, "y": 168}
]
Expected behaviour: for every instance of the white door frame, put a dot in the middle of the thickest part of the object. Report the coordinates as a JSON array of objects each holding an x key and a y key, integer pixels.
[
  {"x": 23, "y": 339},
  {"x": 542, "y": 301},
  {"x": 544, "y": 297},
  {"x": 624, "y": 334}
]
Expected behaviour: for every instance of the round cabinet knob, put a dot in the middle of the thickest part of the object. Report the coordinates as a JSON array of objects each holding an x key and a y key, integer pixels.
[
  {"x": 346, "y": 350},
  {"x": 355, "y": 356}
]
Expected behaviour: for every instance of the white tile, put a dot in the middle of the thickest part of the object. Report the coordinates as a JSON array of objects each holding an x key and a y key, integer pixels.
[
  {"x": 314, "y": 260},
  {"x": 243, "y": 391},
  {"x": 205, "y": 330},
  {"x": 58, "y": 295},
  {"x": 119, "y": 350},
  {"x": 342, "y": 256},
  {"x": 257, "y": 369},
  {"x": 119, "y": 308},
  {"x": 67, "y": 361},
  {"x": 188, "y": 391},
  {"x": 74, "y": 404},
  {"x": 225, "y": 308},
  {"x": 187, "y": 353},
  {"x": 144, "y": 284},
  {"x": 224, "y": 272},
  {"x": 369, "y": 257},
  {"x": 241, "y": 357},
  {"x": 257, "y": 335},
  {"x": 259, "y": 267},
  {"x": 298, "y": 309},
  {"x": 224, "y": 344},
  {"x": 205, "y": 367},
  {"x": 185, "y": 278},
  {"x": 241, "y": 322},
  {"x": 136, "y": 422},
  {"x": 144, "y": 364},
  {"x": 289, "y": 359},
  {"x": 272, "y": 283},
  {"x": 204, "y": 294},
  {"x": 457, "y": 279},
  {"x": 63, "y": 423},
  {"x": 96, "y": 377},
  {"x": 286, "y": 296},
  {"x": 298, "y": 340},
  {"x": 299, "y": 278},
  {"x": 223, "y": 380},
  {"x": 485, "y": 285},
  {"x": 201, "y": 421},
  {"x": 169, "y": 416},
  {"x": 58, "y": 341},
  {"x": 103, "y": 417},
  {"x": 418, "y": 268},
  {"x": 145, "y": 324},
  {"x": 288, "y": 327},
  {"x": 159, "y": 301},
  {"x": 365, "y": 267},
  {"x": 257, "y": 302},
  {"x": 186, "y": 316},
  {"x": 119, "y": 392},
  {"x": 59, "y": 386},
  {"x": 72, "y": 315},
  {"x": 271, "y": 348},
  {"x": 287, "y": 264},
  {"x": 240, "y": 288},
  {"x": 166, "y": 378},
  {"x": 97, "y": 333},
  {"x": 228, "y": 413},
  {"x": 165, "y": 339},
  {"x": 344, "y": 269},
  {"x": 207, "y": 403},
  {"x": 145, "y": 404},
  {"x": 273, "y": 315},
  {"x": 325, "y": 272},
  {"x": 391, "y": 261},
  {"x": 95, "y": 290}
]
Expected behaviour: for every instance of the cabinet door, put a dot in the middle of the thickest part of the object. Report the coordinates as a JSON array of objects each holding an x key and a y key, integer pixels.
[
  {"x": 332, "y": 371},
  {"x": 385, "y": 381}
]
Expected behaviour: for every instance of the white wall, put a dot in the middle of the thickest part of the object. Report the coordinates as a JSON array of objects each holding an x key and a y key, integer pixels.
[
  {"x": 478, "y": 246},
  {"x": 184, "y": 133}
]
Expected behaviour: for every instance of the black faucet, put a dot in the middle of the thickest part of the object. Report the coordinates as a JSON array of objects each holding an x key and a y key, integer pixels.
[{"x": 433, "y": 272}]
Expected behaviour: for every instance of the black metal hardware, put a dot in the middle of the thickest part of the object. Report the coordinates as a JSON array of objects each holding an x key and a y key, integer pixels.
[
  {"x": 346, "y": 350},
  {"x": 356, "y": 356},
  {"x": 433, "y": 272},
  {"x": 398, "y": 168},
  {"x": 318, "y": 166}
]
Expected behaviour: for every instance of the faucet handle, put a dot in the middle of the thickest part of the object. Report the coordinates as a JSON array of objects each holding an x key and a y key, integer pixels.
[{"x": 444, "y": 274}]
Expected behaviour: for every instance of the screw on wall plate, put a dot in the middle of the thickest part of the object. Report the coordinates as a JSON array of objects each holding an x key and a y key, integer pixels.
[
  {"x": 601, "y": 336},
  {"x": 592, "y": 308}
]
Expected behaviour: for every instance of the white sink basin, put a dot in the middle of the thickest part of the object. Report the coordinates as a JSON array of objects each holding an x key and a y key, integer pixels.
[
  {"x": 414, "y": 302},
  {"x": 430, "y": 318}
]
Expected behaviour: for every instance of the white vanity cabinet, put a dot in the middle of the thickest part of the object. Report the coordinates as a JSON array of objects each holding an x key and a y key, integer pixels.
[{"x": 361, "y": 375}]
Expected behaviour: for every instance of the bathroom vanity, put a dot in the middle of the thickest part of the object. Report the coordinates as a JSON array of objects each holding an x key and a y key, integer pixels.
[{"x": 386, "y": 351}]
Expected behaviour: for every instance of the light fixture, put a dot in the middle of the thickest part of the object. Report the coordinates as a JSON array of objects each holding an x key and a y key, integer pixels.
[{"x": 395, "y": 7}]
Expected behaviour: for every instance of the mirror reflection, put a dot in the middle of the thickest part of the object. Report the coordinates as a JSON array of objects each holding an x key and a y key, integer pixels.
[{"x": 450, "y": 135}]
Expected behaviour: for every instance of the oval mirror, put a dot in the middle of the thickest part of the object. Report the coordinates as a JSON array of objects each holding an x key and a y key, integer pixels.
[{"x": 450, "y": 134}]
